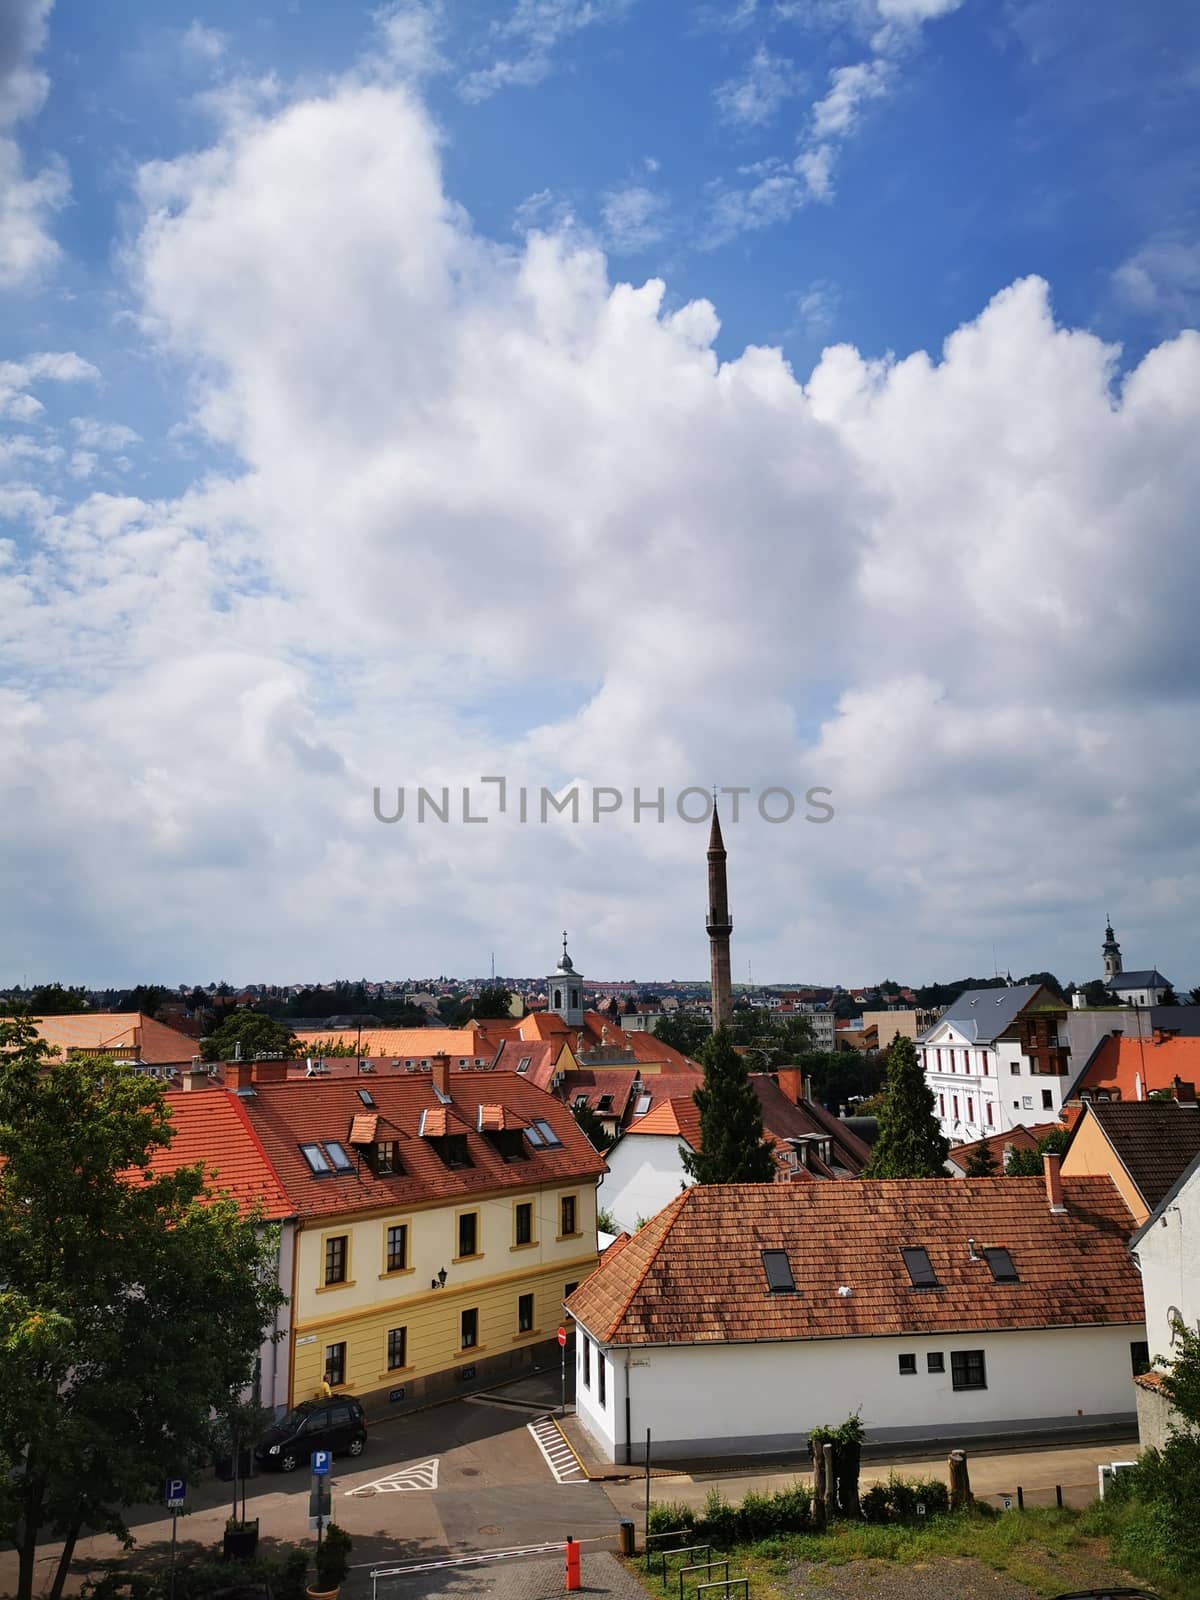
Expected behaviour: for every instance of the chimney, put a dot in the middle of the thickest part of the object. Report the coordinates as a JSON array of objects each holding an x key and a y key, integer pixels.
[
  {"x": 239, "y": 1074},
  {"x": 1051, "y": 1162},
  {"x": 1183, "y": 1093},
  {"x": 791, "y": 1083},
  {"x": 270, "y": 1071},
  {"x": 196, "y": 1078},
  {"x": 440, "y": 1068}
]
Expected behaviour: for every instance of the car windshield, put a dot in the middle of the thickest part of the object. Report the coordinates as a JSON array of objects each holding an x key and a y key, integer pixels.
[{"x": 293, "y": 1419}]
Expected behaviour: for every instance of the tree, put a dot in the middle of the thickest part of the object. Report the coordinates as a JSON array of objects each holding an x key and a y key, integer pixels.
[
  {"x": 982, "y": 1163},
  {"x": 492, "y": 1001},
  {"x": 52, "y": 1000},
  {"x": 1028, "y": 1163},
  {"x": 1194, "y": 996},
  {"x": 685, "y": 1031},
  {"x": 133, "y": 1304},
  {"x": 257, "y": 1035},
  {"x": 148, "y": 998},
  {"x": 731, "y": 1128},
  {"x": 1169, "y": 997},
  {"x": 1095, "y": 994},
  {"x": 910, "y": 1143},
  {"x": 592, "y": 1127}
]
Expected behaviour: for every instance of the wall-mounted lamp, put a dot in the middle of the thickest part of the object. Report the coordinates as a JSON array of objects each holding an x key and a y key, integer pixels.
[{"x": 440, "y": 1281}]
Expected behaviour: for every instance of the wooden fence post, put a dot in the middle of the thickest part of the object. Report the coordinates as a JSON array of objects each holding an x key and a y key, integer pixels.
[{"x": 960, "y": 1481}]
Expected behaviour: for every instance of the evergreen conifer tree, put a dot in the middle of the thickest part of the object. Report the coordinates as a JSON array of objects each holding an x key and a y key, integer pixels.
[
  {"x": 982, "y": 1163},
  {"x": 731, "y": 1130},
  {"x": 910, "y": 1142}
]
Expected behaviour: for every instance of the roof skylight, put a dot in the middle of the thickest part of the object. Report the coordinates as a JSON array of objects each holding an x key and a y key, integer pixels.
[
  {"x": 547, "y": 1132},
  {"x": 337, "y": 1154},
  {"x": 779, "y": 1272},
  {"x": 1001, "y": 1263},
  {"x": 920, "y": 1268},
  {"x": 315, "y": 1157},
  {"x": 365, "y": 1096}
]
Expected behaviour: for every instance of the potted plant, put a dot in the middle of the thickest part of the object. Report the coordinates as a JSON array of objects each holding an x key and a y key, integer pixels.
[
  {"x": 333, "y": 1563},
  {"x": 234, "y": 1429},
  {"x": 241, "y": 1538}
]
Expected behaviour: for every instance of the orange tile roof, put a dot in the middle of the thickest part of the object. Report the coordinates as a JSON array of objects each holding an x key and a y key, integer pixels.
[
  {"x": 126, "y": 1033},
  {"x": 213, "y": 1128},
  {"x": 694, "y": 1274},
  {"x": 674, "y": 1118},
  {"x": 541, "y": 1058},
  {"x": 286, "y": 1115},
  {"x": 599, "y": 1033},
  {"x": 404, "y": 1044},
  {"x": 1118, "y": 1062},
  {"x": 364, "y": 1127}
]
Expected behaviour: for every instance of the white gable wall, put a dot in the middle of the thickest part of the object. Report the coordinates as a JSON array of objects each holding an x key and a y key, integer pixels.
[
  {"x": 645, "y": 1173},
  {"x": 1169, "y": 1255},
  {"x": 732, "y": 1399}
]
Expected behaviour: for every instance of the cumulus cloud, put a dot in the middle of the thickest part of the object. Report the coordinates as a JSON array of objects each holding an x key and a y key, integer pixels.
[
  {"x": 411, "y": 33},
  {"x": 528, "y": 38},
  {"x": 633, "y": 218},
  {"x": 27, "y": 200},
  {"x": 496, "y": 511},
  {"x": 18, "y": 377},
  {"x": 95, "y": 434},
  {"x": 1162, "y": 280},
  {"x": 754, "y": 98}
]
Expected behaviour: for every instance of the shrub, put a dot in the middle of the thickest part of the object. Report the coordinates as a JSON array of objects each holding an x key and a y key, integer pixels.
[
  {"x": 898, "y": 1498},
  {"x": 720, "y": 1524},
  {"x": 875, "y": 1507},
  {"x": 333, "y": 1557},
  {"x": 667, "y": 1515}
]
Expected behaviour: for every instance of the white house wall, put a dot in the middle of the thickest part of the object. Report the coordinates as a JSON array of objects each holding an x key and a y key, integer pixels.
[
  {"x": 645, "y": 1173},
  {"x": 1169, "y": 1255},
  {"x": 761, "y": 1398}
]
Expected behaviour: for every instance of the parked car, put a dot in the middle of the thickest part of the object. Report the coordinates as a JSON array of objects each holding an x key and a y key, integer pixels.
[{"x": 335, "y": 1425}]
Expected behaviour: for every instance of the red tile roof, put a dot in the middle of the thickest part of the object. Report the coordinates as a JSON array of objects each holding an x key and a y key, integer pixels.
[
  {"x": 404, "y": 1044},
  {"x": 598, "y": 1034},
  {"x": 1118, "y": 1062},
  {"x": 213, "y": 1128},
  {"x": 541, "y": 1058},
  {"x": 674, "y": 1118},
  {"x": 128, "y": 1034},
  {"x": 694, "y": 1274},
  {"x": 286, "y": 1115},
  {"x": 1020, "y": 1138}
]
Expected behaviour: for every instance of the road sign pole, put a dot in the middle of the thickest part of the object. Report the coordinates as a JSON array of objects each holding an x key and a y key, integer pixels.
[
  {"x": 171, "y": 1582},
  {"x": 562, "y": 1345}
]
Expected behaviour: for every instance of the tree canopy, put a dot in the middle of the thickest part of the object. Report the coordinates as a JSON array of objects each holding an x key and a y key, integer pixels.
[
  {"x": 982, "y": 1163},
  {"x": 731, "y": 1127},
  {"x": 130, "y": 1307},
  {"x": 910, "y": 1143},
  {"x": 256, "y": 1034},
  {"x": 52, "y": 1000},
  {"x": 1028, "y": 1163},
  {"x": 593, "y": 1128},
  {"x": 685, "y": 1031}
]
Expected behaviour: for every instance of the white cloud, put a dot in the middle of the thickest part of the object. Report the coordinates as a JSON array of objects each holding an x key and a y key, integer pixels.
[
  {"x": 95, "y": 434},
  {"x": 755, "y": 97},
  {"x": 633, "y": 218},
  {"x": 815, "y": 308},
  {"x": 815, "y": 166},
  {"x": 529, "y": 37},
  {"x": 18, "y": 377},
  {"x": 496, "y": 512},
  {"x": 27, "y": 201},
  {"x": 850, "y": 88},
  {"x": 82, "y": 463},
  {"x": 411, "y": 32},
  {"x": 202, "y": 46},
  {"x": 1162, "y": 280}
]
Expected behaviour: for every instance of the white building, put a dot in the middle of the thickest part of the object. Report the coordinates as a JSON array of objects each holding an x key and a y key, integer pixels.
[
  {"x": 997, "y": 1059},
  {"x": 744, "y": 1316},
  {"x": 1167, "y": 1249}
]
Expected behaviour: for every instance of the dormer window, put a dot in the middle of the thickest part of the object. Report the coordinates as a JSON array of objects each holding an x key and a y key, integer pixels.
[{"x": 452, "y": 1147}]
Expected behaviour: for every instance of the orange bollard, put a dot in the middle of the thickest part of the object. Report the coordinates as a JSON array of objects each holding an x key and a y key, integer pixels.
[{"x": 573, "y": 1579}]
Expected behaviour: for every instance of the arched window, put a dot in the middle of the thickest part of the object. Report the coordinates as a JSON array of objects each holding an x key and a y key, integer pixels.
[
  {"x": 558, "y": 999},
  {"x": 574, "y": 998}
]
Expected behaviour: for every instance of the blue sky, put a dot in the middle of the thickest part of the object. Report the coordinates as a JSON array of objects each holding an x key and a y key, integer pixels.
[{"x": 334, "y": 453}]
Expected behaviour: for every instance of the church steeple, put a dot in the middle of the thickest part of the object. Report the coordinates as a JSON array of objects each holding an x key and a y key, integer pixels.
[
  {"x": 720, "y": 926},
  {"x": 564, "y": 989},
  {"x": 1112, "y": 952}
]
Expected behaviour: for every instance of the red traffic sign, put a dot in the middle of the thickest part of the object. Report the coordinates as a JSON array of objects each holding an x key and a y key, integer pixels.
[{"x": 562, "y": 1336}]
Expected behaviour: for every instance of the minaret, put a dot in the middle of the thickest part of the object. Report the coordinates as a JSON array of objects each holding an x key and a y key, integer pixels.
[
  {"x": 1112, "y": 953},
  {"x": 720, "y": 926}
]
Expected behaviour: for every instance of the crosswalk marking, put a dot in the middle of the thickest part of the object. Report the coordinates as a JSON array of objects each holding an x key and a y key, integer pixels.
[
  {"x": 418, "y": 1475},
  {"x": 556, "y": 1453}
]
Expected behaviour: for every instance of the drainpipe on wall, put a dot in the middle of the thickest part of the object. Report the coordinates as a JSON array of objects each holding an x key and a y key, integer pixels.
[{"x": 628, "y": 1417}]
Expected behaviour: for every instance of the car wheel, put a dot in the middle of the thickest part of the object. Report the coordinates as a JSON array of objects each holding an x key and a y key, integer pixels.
[
  {"x": 289, "y": 1461},
  {"x": 356, "y": 1446}
]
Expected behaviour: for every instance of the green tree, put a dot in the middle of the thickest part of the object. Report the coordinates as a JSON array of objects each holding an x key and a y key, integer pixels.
[
  {"x": 731, "y": 1128},
  {"x": 148, "y": 998},
  {"x": 982, "y": 1163},
  {"x": 257, "y": 1035},
  {"x": 1028, "y": 1163},
  {"x": 910, "y": 1143},
  {"x": 492, "y": 1001},
  {"x": 593, "y": 1129},
  {"x": 685, "y": 1031},
  {"x": 133, "y": 1304},
  {"x": 52, "y": 1000},
  {"x": 1169, "y": 997},
  {"x": 1095, "y": 994},
  {"x": 1194, "y": 996}
]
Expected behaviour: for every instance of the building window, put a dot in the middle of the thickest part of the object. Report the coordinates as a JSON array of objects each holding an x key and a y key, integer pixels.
[
  {"x": 908, "y": 1366},
  {"x": 525, "y": 1313},
  {"x": 988, "y": 1109},
  {"x": 468, "y": 1233},
  {"x": 967, "y": 1370},
  {"x": 587, "y": 1362},
  {"x": 569, "y": 1289},
  {"x": 601, "y": 1380},
  {"x": 524, "y": 1223},
  {"x": 558, "y": 999},
  {"x": 397, "y": 1249},
  {"x": 397, "y": 1348},
  {"x": 1047, "y": 1100},
  {"x": 335, "y": 1258},
  {"x": 970, "y": 1109},
  {"x": 941, "y": 1105},
  {"x": 983, "y": 1062},
  {"x": 1027, "y": 1102},
  {"x": 1139, "y": 1357},
  {"x": 567, "y": 1219},
  {"x": 470, "y": 1328},
  {"x": 335, "y": 1364},
  {"x": 1014, "y": 1068},
  {"x": 954, "y": 1103},
  {"x": 939, "y": 1060},
  {"x": 935, "y": 1361}
]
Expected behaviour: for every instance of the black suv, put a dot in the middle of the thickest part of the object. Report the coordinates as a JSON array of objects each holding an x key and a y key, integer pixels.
[{"x": 334, "y": 1425}]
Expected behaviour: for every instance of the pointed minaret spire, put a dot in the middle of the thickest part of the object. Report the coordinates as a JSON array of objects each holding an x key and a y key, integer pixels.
[{"x": 720, "y": 926}]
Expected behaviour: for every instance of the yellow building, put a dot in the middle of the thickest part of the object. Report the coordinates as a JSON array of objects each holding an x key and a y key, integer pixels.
[{"x": 442, "y": 1218}]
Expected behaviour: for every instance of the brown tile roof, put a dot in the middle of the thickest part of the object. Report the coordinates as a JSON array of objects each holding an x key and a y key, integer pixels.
[
  {"x": 541, "y": 1057},
  {"x": 286, "y": 1115},
  {"x": 213, "y": 1128},
  {"x": 694, "y": 1274},
  {"x": 129, "y": 1034},
  {"x": 1117, "y": 1063},
  {"x": 785, "y": 1119},
  {"x": 1021, "y": 1138},
  {"x": 499, "y": 1119},
  {"x": 1156, "y": 1141},
  {"x": 599, "y": 1033}
]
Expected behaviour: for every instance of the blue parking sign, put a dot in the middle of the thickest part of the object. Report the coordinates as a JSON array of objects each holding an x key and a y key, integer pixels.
[
  {"x": 175, "y": 1493},
  {"x": 320, "y": 1462}
]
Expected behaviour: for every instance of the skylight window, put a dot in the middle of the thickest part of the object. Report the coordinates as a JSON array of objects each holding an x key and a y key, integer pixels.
[
  {"x": 523, "y": 1064},
  {"x": 337, "y": 1154},
  {"x": 605, "y": 1103},
  {"x": 920, "y": 1268},
  {"x": 534, "y": 1137},
  {"x": 1001, "y": 1263},
  {"x": 365, "y": 1096},
  {"x": 642, "y": 1106},
  {"x": 779, "y": 1272},
  {"x": 547, "y": 1132},
  {"x": 315, "y": 1157}
]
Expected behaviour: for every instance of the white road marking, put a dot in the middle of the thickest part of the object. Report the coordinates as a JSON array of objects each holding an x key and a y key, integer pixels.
[
  {"x": 555, "y": 1453},
  {"x": 419, "y": 1475}
]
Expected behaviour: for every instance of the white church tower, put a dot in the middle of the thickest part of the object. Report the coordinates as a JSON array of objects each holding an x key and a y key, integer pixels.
[{"x": 564, "y": 990}]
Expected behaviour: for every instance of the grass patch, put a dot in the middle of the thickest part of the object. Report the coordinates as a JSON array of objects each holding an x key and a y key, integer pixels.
[{"x": 1047, "y": 1549}]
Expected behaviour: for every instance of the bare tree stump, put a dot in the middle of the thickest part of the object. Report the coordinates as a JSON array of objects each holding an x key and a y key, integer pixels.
[
  {"x": 849, "y": 1467},
  {"x": 818, "y": 1497},
  {"x": 960, "y": 1481}
]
